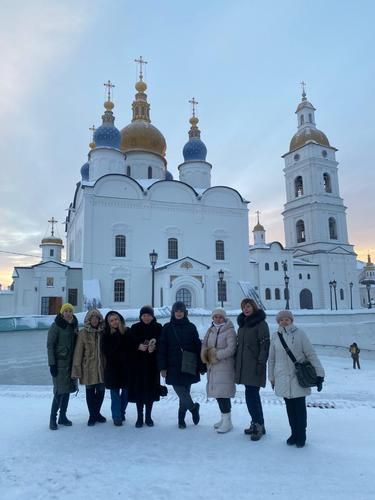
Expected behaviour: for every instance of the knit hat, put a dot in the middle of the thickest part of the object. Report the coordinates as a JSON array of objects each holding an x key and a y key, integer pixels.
[
  {"x": 179, "y": 306},
  {"x": 66, "y": 306},
  {"x": 219, "y": 312},
  {"x": 284, "y": 314},
  {"x": 146, "y": 310}
]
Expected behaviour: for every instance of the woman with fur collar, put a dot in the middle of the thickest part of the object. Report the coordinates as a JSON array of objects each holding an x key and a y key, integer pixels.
[
  {"x": 88, "y": 364},
  {"x": 61, "y": 341},
  {"x": 253, "y": 342},
  {"x": 218, "y": 351},
  {"x": 282, "y": 374}
]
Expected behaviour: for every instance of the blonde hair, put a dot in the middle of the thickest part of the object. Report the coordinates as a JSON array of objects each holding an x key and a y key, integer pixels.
[{"x": 121, "y": 324}]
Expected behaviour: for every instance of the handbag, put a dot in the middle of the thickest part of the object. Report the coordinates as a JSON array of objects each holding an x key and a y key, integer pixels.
[
  {"x": 189, "y": 361},
  {"x": 305, "y": 371}
]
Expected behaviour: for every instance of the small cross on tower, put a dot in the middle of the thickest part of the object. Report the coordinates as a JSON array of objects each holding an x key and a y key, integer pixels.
[
  {"x": 194, "y": 103},
  {"x": 140, "y": 61},
  {"x": 53, "y": 221},
  {"x": 92, "y": 130},
  {"x": 303, "y": 85},
  {"x": 258, "y": 213},
  {"x": 109, "y": 86}
]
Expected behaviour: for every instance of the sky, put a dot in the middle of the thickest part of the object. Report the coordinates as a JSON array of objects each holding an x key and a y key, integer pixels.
[{"x": 243, "y": 62}]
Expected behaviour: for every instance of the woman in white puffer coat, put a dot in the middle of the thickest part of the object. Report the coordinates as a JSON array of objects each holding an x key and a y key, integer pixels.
[
  {"x": 218, "y": 352},
  {"x": 282, "y": 374}
]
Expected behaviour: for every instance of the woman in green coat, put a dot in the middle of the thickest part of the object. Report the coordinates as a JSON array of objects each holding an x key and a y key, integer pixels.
[
  {"x": 253, "y": 343},
  {"x": 61, "y": 341}
]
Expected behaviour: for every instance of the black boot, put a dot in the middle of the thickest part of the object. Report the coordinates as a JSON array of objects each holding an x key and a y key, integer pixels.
[
  {"x": 139, "y": 422},
  {"x": 99, "y": 398},
  {"x": 54, "y": 410},
  {"x": 63, "y": 420},
  {"x": 148, "y": 420},
  {"x": 195, "y": 413},
  {"x": 91, "y": 405},
  {"x": 181, "y": 419}
]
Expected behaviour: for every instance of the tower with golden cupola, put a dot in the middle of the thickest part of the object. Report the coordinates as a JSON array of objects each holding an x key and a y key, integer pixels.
[
  {"x": 314, "y": 213},
  {"x": 143, "y": 144}
]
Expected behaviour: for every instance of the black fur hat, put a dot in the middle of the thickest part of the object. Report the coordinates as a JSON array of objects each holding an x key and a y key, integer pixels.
[
  {"x": 147, "y": 310},
  {"x": 179, "y": 306}
]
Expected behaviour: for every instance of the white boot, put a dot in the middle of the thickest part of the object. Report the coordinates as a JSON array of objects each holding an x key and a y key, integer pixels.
[
  {"x": 218, "y": 424},
  {"x": 226, "y": 424}
]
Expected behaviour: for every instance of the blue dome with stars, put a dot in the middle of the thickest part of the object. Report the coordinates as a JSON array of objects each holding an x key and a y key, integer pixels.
[
  {"x": 194, "y": 149},
  {"x": 168, "y": 176},
  {"x": 107, "y": 135},
  {"x": 85, "y": 169}
]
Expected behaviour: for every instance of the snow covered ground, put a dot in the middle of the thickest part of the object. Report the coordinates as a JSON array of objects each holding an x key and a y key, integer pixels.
[{"x": 164, "y": 462}]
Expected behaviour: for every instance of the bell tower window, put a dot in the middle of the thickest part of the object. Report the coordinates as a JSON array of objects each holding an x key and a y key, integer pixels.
[
  {"x": 302, "y": 120},
  {"x": 149, "y": 172},
  {"x": 327, "y": 183},
  {"x": 298, "y": 186},
  {"x": 332, "y": 228},
  {"x": 300, "y": 230}
]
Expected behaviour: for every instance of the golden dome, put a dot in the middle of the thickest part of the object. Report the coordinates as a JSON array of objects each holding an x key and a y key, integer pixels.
[
  {"x": 50, "y": 240},
  {"x": 108, "y": 105},
  {"x": 140, "y": 135},
  {"x": 306, "y": 135}
]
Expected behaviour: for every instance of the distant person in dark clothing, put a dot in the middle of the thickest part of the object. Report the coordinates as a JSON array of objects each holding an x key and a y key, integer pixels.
[{"x": 354, "y": 351}]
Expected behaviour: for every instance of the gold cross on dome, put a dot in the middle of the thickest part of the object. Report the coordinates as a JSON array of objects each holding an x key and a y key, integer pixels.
[
  {"x": 109, "y": 86},
  {"x": 140, "y": 61},
  {"x": 92, "y": 129},
  {"x": 194, "y": 103},
  {"x": 303, "y": 85},
  {"x": 53, "y": 221}
]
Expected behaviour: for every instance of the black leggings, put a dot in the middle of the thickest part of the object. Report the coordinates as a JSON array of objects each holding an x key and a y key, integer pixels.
[{"x": 224, "y": 404}]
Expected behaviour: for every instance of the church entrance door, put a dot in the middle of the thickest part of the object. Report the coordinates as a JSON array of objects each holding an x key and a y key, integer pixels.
[
  {"x": 306, "y": 299},
  {"x": 184, "y": 295}
]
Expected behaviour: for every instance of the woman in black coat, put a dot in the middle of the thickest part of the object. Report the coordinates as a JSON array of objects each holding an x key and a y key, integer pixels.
[
  {"x": 177, "y": 335},
  {"x": 115, "y": 348},
  {"x": 144, "y": 377}
]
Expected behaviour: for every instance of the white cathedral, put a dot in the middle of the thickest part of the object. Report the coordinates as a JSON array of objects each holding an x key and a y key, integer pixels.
[{"x": 137, "y": 236}]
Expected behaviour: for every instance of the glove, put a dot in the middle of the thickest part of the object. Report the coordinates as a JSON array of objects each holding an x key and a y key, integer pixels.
[
  {"x": 163, "y": 373},
  {"x": 53, "y": 370},
  {"x": 319, "y": 384},
  {"x": 260, "y": 369}
]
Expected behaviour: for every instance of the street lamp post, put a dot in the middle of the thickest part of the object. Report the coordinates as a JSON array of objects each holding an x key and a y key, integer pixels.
[
  {"x": 351, "y": 294},
  {"x": 286, "y": 282},
  {"x": 221, "y": 280},
  {"x": 334, "y": 284},
  {"x": 330, "y": 293},
  {"x": 153, "y": 260}
]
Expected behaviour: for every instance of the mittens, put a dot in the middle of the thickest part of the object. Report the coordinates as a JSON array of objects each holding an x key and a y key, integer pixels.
[
  {"x": 53, "y": 370},
  {"x": 319, "y": 384}
]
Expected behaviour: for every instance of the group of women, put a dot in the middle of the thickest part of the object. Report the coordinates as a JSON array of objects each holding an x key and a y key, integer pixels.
[{"x": 129, "y": 361}]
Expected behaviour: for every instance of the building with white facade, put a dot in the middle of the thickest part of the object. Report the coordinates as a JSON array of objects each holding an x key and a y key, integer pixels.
[{"x": 127, "y": 206}]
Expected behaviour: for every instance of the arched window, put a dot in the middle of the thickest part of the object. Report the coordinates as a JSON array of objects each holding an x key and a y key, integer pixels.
[
  {"x": 310, "y": 117},
  {"x": 302, "y": 120},
  {"x": 300, "y": 276},
  {"x": 276, "y": 266},
  {"x": 327, "y": 183},
  {"x": 277, "y": 293},
  {"x": 172, "y": 248},
  {"x": 308, "y": 277},
  {"x": 221, "y": 291},
  {"x": 219, "y": 249},
  {"x": 184, "y": 295},
  {"x": 119, "y": 291},
  {"x": 300, "y": 229},
  {"x": 341, "y": 294},
  {"x": 332, "y": 228},
  {"x": 298, "y": 186},
  {"x": 128, "y": 170},
  {"x": 268, "y": 294},
  {"x": 149, "y": 172},
  {"x": 266, "y": 266},
  {"x": 120, "y": 245}
]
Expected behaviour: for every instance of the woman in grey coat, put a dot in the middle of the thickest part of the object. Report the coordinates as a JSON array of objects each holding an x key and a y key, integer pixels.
[
  {"x": 282, "y": 374},
  {"x": 253, "y": 343},
  {"x": 218, "y": 351}
]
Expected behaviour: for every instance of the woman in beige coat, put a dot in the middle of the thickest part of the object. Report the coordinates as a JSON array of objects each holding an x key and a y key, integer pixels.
[
  {"x": 88, "y": 364},
  {"x": 218, "y": 351},
  {"x": 282, "y": 374}
]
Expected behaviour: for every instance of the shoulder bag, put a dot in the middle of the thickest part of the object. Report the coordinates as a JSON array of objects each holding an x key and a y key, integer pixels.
[
  {"x": 189, "y": 362},
  {"x": 305, "y": 371}
]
